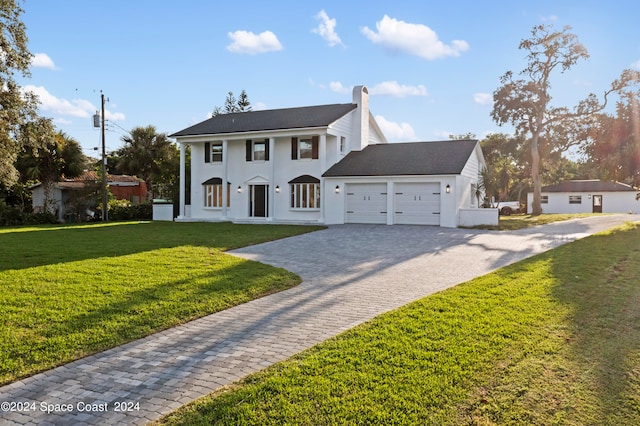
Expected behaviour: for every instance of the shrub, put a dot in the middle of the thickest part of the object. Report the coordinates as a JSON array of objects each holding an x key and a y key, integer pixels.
[
  {"x": 15, "y": 215},
  {"x": 124, "y": 210}
]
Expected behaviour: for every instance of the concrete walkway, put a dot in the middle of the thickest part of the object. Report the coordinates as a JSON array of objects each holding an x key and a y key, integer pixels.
[{"x": 351, "y": 273}]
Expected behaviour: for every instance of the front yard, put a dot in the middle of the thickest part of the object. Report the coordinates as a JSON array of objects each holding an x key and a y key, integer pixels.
[
  {"x": 554, "y": 339},
  {"x": 69, "y": 291}
]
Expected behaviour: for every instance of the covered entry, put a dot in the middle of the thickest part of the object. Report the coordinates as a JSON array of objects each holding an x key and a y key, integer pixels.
[
  {"x": 366, "y": 203},
  {"x": 417, "y": 203}
]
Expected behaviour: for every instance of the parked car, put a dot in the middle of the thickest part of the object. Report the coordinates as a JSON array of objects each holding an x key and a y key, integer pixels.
[{"x": 507, "y": 208}]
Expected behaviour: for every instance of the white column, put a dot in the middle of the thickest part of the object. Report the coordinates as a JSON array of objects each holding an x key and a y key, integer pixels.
[
  {"x": 272, "y": 182},
  {"x": 322, "y": 153},
  {"x": 225, "y": 169},
  {"x": 183, "y": 174}
]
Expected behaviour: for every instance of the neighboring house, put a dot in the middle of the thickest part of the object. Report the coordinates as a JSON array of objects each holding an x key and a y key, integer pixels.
[
  {"x": 326, "y": 164},
  {"x": 122, "y": 187},
  {"x": 587, "y": 196}
]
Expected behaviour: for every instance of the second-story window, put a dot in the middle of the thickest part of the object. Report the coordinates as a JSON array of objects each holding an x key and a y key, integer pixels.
[
  {"x": 213, "y": 152},
  {"x": 257, "y": 150},
  {"x": 216, "y": 152},
  {"x": 304, "y": 148}
]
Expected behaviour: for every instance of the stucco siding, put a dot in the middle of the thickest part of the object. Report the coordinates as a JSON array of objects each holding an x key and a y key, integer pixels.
[{"x": 612, "y": 202}]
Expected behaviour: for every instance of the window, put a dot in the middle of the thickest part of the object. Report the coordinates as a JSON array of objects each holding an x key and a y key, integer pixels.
[
  {"x": 213, "y": 192},
  {"x": 575, "y": 199},
  {"x": 213, "y": 152},
  {"x": 216, "y": 152},
  {"x": 258, "y": 150},
  {"x": 304, "y": 148},
  {"x": 343, "y": 144},
  {"x": 544, "y": 199},
  {"x": 305, "y": 192}
]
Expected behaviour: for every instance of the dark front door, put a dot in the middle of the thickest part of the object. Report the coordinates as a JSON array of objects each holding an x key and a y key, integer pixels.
[
  {"x": 258, "y": 201},
  {"x": 597, "y": 203}
]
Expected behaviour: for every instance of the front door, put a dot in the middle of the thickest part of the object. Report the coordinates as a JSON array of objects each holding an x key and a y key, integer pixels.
[
  {"x": 597, "y": 203},
  {"x": 258, "y": 200}
]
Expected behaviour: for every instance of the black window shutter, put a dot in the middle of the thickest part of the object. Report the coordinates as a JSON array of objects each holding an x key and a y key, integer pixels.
[
  {"x": 314, "y": 147},
  {"x": 266, "y": 150},
  {"x": 207, "y": 152},
  {"x": 294, "y": 148},
  {"x": 249, "y": 150}
]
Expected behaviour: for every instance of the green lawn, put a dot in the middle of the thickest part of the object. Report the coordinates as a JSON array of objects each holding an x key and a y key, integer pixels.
[
  {"x": 69, "y": 291},
  {"x": 521, "y": 221},
  {"x": 508, "y": 223},
  {"x": 554, "y": 339}
]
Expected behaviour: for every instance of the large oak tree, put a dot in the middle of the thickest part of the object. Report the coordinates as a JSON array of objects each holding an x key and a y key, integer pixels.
[{"x": 525, "y": 102}]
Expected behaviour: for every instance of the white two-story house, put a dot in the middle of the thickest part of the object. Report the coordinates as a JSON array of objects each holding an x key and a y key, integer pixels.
[{"x": 326, "y": 164}]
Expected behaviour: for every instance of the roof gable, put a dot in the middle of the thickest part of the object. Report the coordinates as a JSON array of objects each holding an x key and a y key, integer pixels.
[
  {"x": 411, "y": 158},
  {"x": 273, "y": 119},
  {"x": 594, "y": 185}
]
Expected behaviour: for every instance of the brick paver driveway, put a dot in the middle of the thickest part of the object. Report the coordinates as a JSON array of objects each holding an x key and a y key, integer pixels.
[{"x": 350, "y": 273}]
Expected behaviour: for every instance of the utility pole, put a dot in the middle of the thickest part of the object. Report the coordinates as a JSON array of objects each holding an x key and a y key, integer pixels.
[
  {"x": 105, "y": 196},
  {"x": 98, "y": 121}
]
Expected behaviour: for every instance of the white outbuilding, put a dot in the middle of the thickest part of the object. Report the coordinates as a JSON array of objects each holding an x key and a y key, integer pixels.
[{"x": 587, "y": 196}]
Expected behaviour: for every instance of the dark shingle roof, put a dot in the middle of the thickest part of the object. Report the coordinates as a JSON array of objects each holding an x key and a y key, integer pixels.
[
  {"x": 412, "y": 158},
  {"x": 272, "y": 119},
  {"x": 587, "y": 186}
]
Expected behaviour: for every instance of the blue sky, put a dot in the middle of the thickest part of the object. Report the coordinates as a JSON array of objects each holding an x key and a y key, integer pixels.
[{"x": 431, "y": 67}]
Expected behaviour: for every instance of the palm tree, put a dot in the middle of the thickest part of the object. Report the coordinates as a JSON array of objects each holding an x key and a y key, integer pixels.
[
  {"x": 52, "y": 160},
  {"x": 143, "y": 154}
]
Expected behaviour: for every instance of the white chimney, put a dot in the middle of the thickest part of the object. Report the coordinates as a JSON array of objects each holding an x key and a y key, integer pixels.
[{"x": 361, "y": 117}]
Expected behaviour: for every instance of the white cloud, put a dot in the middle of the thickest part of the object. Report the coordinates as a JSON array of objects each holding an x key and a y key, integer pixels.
[
  {"x": 80, "y": 108},
  {"x": 246, "y": 42},
  {"x": 396, "y": 131},
  {"x": 443, "y": 134},
  {"x": 550, "y": 18},
  {"x": 327, "y": 29},
  {"x": 483, "y": 98},
  {"x": 113, "y": 116},
  {"x": 415, "y": 39},
  {"x": 336, "y": 86},
  {"x": 636, "y": 65},
  {"x": 392, "y": 88},
  {"x": 42, "y": 60},
  {"x": 76, "y": 108}
]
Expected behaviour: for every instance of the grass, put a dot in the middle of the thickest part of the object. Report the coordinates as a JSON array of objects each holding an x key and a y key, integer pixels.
[
  {"x": 70, "y": 291},
  {"x": 521, "y": 221},
  {"x": 554, "y": 339}
]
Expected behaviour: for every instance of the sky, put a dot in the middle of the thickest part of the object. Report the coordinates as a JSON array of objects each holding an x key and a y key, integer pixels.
[{"x": 431, "y": 67}]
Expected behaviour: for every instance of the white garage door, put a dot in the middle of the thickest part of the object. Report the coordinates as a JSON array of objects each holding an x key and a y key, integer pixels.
[
  {"x": 417, "y": 203},
  {"x": 366, "y": 203}
]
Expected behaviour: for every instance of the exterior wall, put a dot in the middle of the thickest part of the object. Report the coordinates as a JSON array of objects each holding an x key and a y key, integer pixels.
[
  {"x": 467, "y": 178},
  {"x": 612, "y": 202},
  {"x": 474, "y": 217},
  {"x": 343, "y": 127},
  {"x": 334, "y": 212},
  {"x": 278, "y": 171},
  {"x": 136, "y": 192},
  {"x": 56, "y": 207}
]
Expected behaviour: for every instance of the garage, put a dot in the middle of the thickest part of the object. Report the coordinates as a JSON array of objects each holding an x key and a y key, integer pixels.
[
  {"x": 366, "y": 203},
  {"x": 417, "y": 203}
]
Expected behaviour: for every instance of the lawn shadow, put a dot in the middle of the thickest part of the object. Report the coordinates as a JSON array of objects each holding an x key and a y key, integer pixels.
[
  {"x": 603, "y": 292},
  {"x": 61, "y": 244},
  {"x": 149, "y": 310}
]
